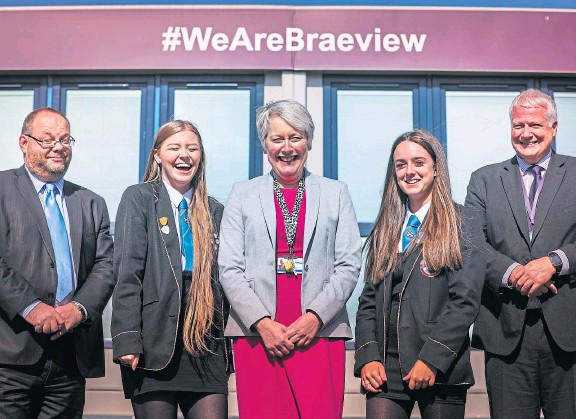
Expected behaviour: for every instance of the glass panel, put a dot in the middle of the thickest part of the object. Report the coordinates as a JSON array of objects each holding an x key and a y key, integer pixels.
[
  {"x": 368, "y": 124},
  {"x": 106, "y": 125},
  {"x": 15, "y": 105},
  {"x": 478, "y": 133},
  {"x": 223, "y": 119},
  {"x": 566, "y": 103}
]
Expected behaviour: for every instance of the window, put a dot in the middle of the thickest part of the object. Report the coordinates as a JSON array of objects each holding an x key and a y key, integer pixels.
[
  {"x": 18, "y": 97},
  {"x": 224, "y": 112}
]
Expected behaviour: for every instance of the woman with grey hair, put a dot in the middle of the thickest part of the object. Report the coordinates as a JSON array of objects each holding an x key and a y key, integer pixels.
[{"x": 289, "y": 259}]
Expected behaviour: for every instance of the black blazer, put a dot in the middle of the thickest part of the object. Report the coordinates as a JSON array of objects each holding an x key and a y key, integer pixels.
[
  {"x": 496, "y": 191},
  {"x": 27, "y": 269},
  {"x": 434, "y": 316},
  {"x": 146, "y": 305}
]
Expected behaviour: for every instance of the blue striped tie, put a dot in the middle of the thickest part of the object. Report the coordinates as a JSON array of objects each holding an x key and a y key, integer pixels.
[
  {"x": 186, "y": 239},
  {"x": 410, "y": 231},
  {"x": 59, "y": 237}
]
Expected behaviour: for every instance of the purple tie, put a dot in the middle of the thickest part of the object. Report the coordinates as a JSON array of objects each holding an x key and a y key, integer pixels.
[{"x": 537, "y": 173}]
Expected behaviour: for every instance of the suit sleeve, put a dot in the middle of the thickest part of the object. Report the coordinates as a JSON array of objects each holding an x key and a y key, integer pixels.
[
  {"x": 99, "y": 284},
  {"x": 498, "y": 264},
  {"x": 347, "y": 261},
  {"x": 465, "y": 286},
  {"x": 365, "y": 343},
  {"x": 232, "y": 262},
  {"x": 16, "y": 293},
  {"x": 129, "y": 263}
]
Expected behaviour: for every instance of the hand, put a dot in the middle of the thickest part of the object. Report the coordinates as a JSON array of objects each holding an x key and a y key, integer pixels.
[
  {"x": 535, "y": 278},
  {"x": 373, "y": 376},
  {"x": 421, "y": 375},
  {"x": 304, "y": 329},
  {"x": 274, "y": 336},
  {"x": 72, "y": 318},
  {"x": 130, "y": 360},
  {"x": 45, "y": 319}
]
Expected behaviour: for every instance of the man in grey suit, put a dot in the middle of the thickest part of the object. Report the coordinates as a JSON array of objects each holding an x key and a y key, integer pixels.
[
  {"x": 527, "y": 322},
  {"x": 55, "y": 277}
]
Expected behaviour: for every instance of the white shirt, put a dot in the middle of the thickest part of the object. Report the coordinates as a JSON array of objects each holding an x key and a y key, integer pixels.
[
  {"x": 420, "y": 214},
  {"x": 175, "y": 199}
]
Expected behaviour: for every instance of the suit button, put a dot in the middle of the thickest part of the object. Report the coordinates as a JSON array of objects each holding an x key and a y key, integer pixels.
[
  {"x": 306, "y": 268},
  {"x": 50, "y": 295},
  {"x": 526, "y": 261},
  {"x": 52, "y": 265}
]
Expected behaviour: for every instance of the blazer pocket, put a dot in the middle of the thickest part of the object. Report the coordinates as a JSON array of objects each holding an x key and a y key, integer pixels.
[{"x": 148, "y": 303}]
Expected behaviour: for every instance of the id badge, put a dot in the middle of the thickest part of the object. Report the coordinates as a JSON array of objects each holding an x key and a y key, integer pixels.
[{"x": 287, "y": 264}]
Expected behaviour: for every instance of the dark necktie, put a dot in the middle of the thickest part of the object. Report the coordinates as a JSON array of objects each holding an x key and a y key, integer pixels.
[
  {"x": 186, "y": 239},
  {"x": 59, "y": 237},
  {"x": 410, "y": 231},
  {"x": 537, "y": 173}
]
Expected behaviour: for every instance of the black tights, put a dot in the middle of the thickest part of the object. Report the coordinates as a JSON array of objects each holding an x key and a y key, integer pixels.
[
  {"x": 382, "y": 408},
  {"x": 164, "y": 405}
]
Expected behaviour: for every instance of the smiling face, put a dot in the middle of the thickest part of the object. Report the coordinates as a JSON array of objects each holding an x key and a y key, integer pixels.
[
  {"x": 48, "y": 164},
  {"x": 532, "y": 133},
  {"x": 179, "y": 156},
  {"x": 415, "y": 173},
  {"x": 287, "y": 151}
]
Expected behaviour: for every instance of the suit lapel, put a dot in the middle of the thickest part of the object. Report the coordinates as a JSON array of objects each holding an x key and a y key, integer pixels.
[
  {"x": 30, "y": 197},
  {"x": 511, "y": 182},
  {"x": 170, "y": 237},
  {"x": 552, "y": 181},
  {"x": 312, "y": 206},
  {"x": 74, "y": 208},
  {"x": 266, "y": 195}
]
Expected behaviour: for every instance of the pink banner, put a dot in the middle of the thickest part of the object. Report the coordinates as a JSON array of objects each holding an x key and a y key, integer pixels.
[{"x": 292, "y": 38}]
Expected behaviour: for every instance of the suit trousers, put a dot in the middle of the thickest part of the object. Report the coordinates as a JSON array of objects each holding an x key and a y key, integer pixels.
[
  {"x": 51, "y": 388},
  {"x": 537, "y": 375}
]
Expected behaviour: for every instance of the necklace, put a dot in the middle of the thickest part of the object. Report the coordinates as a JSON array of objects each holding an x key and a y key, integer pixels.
[{"x": 290, "y": 219}]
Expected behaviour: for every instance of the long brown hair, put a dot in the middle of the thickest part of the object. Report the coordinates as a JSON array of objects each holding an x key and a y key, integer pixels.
[
  {"x": 200, "y": 308},
  {"x": 439, "y": 232}
]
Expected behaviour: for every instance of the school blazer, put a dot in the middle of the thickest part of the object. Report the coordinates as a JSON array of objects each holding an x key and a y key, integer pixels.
[
  {"x": 434, "y": 317},
  {"x": 27, "y": 269},
  {"x": 247, "y": 257},
  {"x": 496, "y": 191},
  {"x": 146, "y": 304}
]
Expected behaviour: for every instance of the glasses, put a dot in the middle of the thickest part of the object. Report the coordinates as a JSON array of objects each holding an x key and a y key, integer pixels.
[{"x": 51, "y": 142}]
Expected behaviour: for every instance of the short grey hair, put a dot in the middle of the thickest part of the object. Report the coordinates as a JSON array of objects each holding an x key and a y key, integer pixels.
[
  {"x": 289, "y": 110},
  {"x": 534, "y": 98}
]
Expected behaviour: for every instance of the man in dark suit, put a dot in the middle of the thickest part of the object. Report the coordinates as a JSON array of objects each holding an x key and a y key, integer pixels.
[
  {"x": 527, "y": 322},
  {"x": 55, "y": 277}
]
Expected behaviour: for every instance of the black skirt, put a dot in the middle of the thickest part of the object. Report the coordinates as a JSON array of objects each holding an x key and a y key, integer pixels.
[{"x": 205, "y": 373}]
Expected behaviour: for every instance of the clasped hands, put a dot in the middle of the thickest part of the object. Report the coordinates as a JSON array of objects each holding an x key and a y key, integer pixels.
[
  {"x": 54, "y": 320},
  {"x": 534, "y": 278},
  {"x": 280, "y": 340},
  {"x": 420, "y": 376}
]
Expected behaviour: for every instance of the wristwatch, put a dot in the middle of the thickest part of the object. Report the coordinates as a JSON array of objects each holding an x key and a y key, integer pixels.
[
  {"x": 82, "y": 310},
  {"x": 556, "y": 261}
]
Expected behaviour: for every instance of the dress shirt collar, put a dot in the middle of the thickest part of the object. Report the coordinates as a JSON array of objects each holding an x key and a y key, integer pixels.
[
  {"x": 523, "y": 165},
  {"x": 176, "y": 197},
  {"x": 420, "y": 214},
  {"x": 39, "y": 183}
]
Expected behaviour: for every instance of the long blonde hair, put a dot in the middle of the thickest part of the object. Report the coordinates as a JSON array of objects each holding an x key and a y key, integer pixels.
[
  {"x": 200, "y": 308},
  {"x": 439, "y": 232}
]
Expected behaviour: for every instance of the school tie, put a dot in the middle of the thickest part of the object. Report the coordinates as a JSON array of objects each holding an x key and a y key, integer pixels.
[
  {"x": 537, "y": 173},
  {"x": 186, "y": 239},
  {"x": 410, "y": 231},
  {"x": 59, "y": 237}
]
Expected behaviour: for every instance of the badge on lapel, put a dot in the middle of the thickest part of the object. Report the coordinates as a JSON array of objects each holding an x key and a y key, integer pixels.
[
  {"x": 164, "y": 223},
  {"x": 424, "y": 270}
]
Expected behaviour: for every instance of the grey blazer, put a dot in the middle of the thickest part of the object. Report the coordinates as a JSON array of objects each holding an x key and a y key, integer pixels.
[
  {"x": 27, "y": 269},
  {"x": 496, "y": 191},
  {"x": 247, "y": 257}
]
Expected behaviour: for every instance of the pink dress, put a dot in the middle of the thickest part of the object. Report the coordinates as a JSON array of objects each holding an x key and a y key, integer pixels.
[{"x": 309, "y": 382}]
